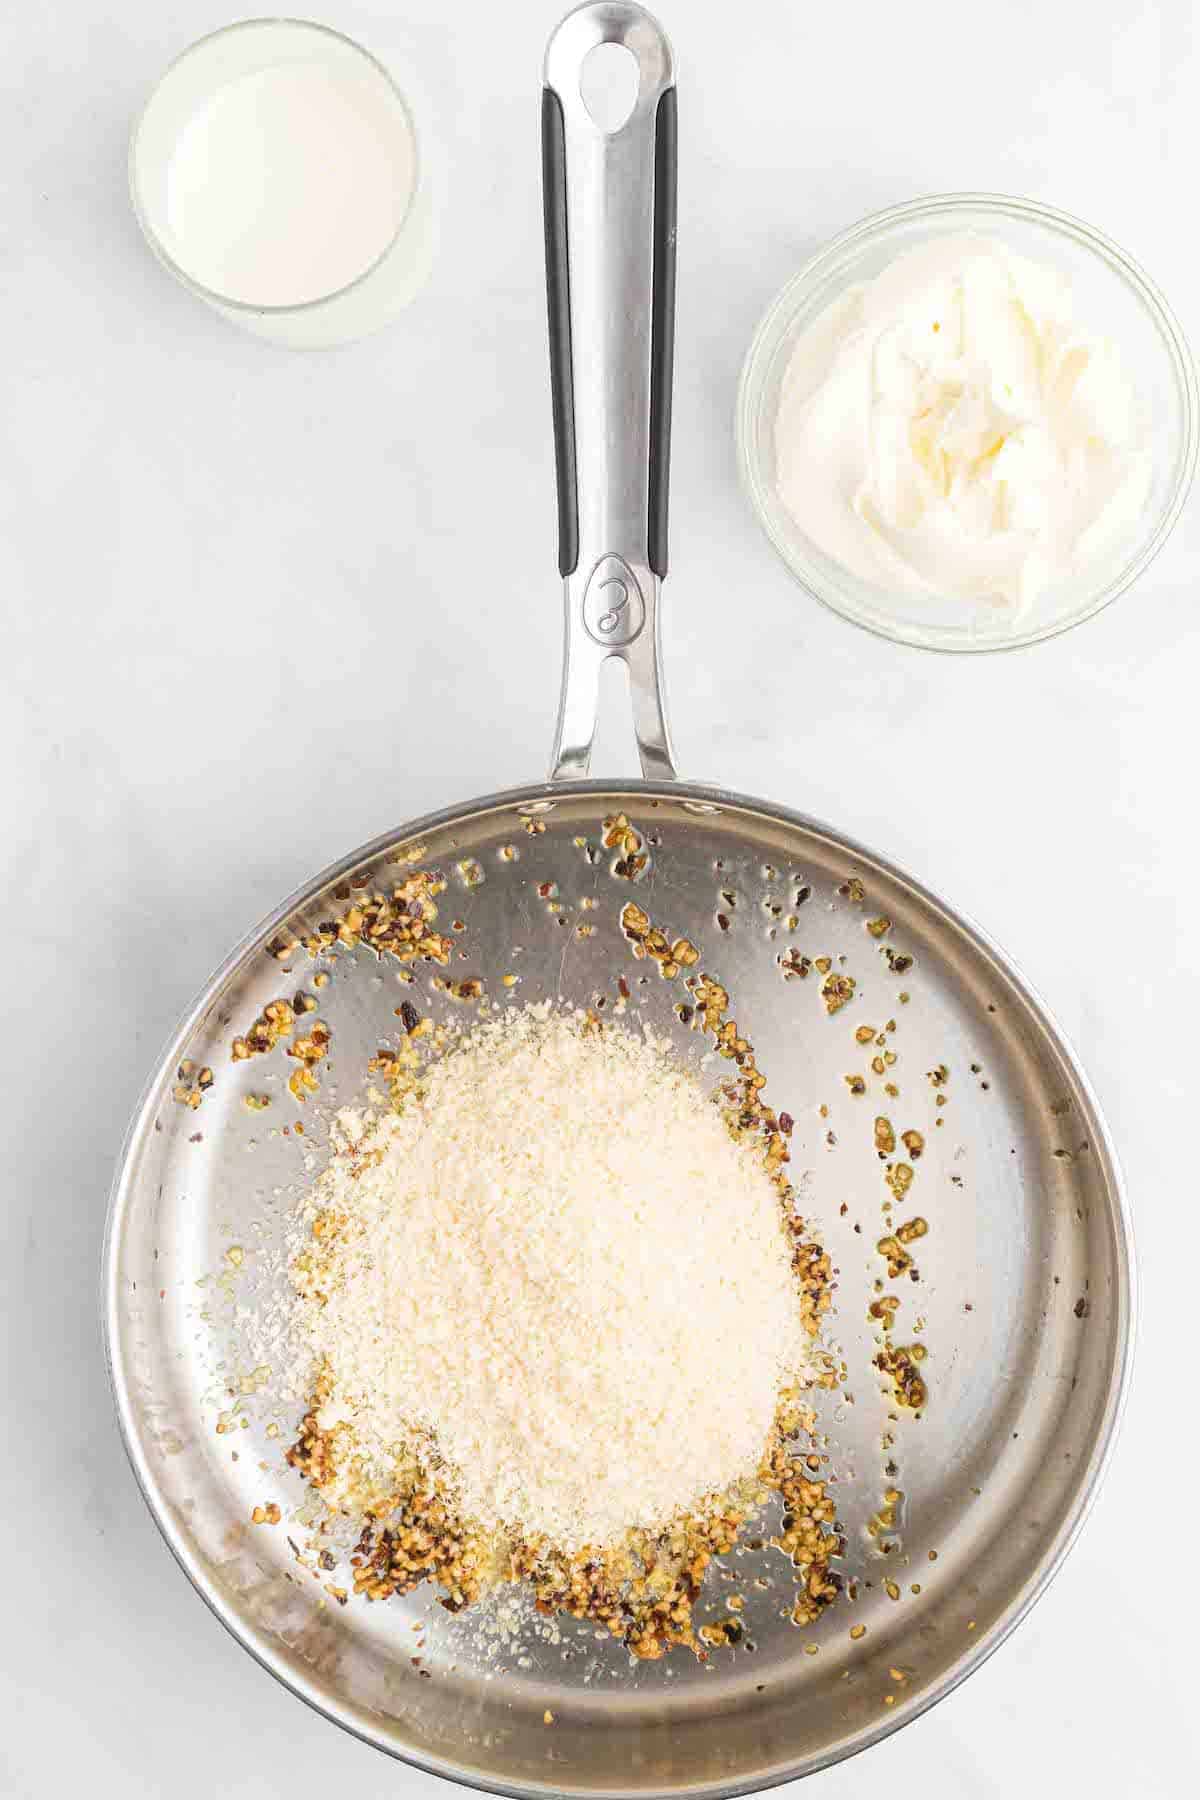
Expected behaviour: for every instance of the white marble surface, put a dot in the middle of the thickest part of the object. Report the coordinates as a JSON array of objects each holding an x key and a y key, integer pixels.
[{"x": 259, "y": 606}]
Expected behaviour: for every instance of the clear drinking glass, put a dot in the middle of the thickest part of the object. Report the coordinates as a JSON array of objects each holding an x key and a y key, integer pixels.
[
  {"x": 378, "y": 291},
  {"x": 1116, "y": 299}
]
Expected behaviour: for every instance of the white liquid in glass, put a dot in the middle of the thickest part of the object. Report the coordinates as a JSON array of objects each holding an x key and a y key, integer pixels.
[{"x": 288, "y": 184}]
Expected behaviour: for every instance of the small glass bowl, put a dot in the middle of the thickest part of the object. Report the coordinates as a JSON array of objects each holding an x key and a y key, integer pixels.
[
  {"x": 234, "y": 52},
  {"x": 1114, "y": 298}
]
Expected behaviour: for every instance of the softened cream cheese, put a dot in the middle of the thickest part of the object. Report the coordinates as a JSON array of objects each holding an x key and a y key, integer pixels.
[{"x": 950, "y": 427}]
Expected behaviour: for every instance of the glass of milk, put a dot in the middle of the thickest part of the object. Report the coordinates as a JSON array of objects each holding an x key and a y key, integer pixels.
[{"x": 276, "y": 171}]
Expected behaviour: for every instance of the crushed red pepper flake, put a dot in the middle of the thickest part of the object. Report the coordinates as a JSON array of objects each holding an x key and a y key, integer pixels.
[
  {"x": 899, "y": 1363},
  {"x": 836, "y": 991},
  {"x": 191, "y": 1085}
]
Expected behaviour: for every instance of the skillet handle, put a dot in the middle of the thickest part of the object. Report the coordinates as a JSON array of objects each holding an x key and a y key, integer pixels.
[{"x": 609, "y": 202}]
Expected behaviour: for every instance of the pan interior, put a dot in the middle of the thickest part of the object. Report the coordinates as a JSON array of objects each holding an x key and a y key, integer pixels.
[{"x": 1022, "y": 1302}]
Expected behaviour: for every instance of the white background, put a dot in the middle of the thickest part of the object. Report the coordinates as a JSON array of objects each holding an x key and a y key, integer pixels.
[{"x": 258, "y": 606}]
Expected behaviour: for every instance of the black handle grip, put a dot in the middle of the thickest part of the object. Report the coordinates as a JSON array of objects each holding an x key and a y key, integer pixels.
[
  {"x": 558, "y": 312},
  {"x": 662, "y": 328}
]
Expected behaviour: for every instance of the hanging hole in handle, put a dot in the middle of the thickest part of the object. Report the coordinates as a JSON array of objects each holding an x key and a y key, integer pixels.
[{"x": 608, "y": 85}]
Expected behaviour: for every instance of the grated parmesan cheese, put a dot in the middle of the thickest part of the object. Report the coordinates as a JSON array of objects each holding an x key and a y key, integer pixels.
[{"x": 559, "y": 1270}]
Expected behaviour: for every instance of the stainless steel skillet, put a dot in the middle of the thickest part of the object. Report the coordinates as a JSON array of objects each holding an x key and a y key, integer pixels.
[{"x": 1025, "y": 1297}]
